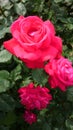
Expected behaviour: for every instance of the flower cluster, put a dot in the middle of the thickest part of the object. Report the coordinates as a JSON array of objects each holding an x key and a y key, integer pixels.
[
  {"x": 34, "y": 98},
  {"x": 34, "y": 41}
]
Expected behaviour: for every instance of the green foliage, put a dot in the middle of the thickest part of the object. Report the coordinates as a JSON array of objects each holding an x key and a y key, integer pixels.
[
  {"x": 4, "y": 82},
  {"x": 4, "y": 85},
  {"x": 69, "y": 124},
  {"x": 70, "y": 94},
  {"x": 5, "y": 56},
  {"x": 14, "y": 74},
  {"x": 6, "y": 103},
  {"x": 36, "y": 75}
]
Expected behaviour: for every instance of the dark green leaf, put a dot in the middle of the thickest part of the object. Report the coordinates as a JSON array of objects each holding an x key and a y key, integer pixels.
[
  {"x": 9, "y": 119},
  {"x": 7, "y": 103},
  {"x": 70, "y": 94},
  {"x": 4, "y": 127},
  {"x": 4, "y": 74},
  {"x": 46, "y": 126},
  {"x": 39, "y": 76}
]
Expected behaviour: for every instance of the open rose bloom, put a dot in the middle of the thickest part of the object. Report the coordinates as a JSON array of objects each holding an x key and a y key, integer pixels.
[
  {"x": 33, "y": 41},
  {"x": 60, "y": 72}
]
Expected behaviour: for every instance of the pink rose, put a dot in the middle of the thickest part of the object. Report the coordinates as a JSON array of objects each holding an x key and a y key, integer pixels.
[
  {"x": 34, "y": 97},
  {"x": 33, "y": 41},
  {"x": 30, "y": 117},
  {"x": 61, "y": 73}
]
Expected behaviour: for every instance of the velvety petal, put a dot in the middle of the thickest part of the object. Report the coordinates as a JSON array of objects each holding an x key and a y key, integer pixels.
[
  {"x": 57, "y": 43},
  {"x": 54, "y": 83},
  {"x": 15, "y": 25},
  {"x": 50, "y": 26},
  {"x": 22, "y": 54},
  {"x": 50, "y": 53},
  {"x": 9, "y": 45},
  {"x": 50, "y": 68},
  {"x": 14, "y": 47},
  {"x": 33, "y": 64},
  {"x": 45, "y": 41}
]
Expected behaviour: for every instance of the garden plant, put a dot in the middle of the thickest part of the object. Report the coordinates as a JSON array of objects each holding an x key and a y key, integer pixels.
[{"x": 36, "y": 65}]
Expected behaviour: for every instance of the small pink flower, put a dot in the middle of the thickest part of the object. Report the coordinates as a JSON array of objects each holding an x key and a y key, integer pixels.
[
  {"x": 60, "y": 73},
  {"x": 34, "y": 97},
  {"x": 30, "y": 117}
]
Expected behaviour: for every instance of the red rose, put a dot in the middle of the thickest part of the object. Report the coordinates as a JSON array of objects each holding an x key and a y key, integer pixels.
[
  {"x": 61, "y": 73},
  {"x": 30, "y": 117},
  {"x": 34, "y": 41},
  {"x": 34, "y": 97}
]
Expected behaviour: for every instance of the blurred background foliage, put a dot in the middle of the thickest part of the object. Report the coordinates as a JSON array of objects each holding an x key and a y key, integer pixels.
[{"x": 13, "y": 73}]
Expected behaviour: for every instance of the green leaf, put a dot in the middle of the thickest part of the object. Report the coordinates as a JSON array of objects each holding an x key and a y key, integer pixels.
[
  {"x": 9, "y": 119},
  {"x": 4, "y": 3},
  {"x": 46, "y": 126},
  {"x": 70, "y": 26},
  {"x": 24, "y": 1},
  {"x": 60, "y": 128},
  {"x": 43, "y": 112},
  {"x": 4, "y": 74},
  {"x": 4, "y": 127},
  {"x": 20, "y": 9},
  {"x": 7, "y": 103},
  {"x": 70, "y": 94},
  {"x": 4, "y": 85},
  {"x": 69, "y": 124},
  {"x": 39, "y": 76},
  {"x": 26, "y": 81},
  {"x": 68, "y": 1},
  {"x": 14, "y": 1},
  {"x": 16, "y": 73},
  {"x": 2, "y": 116},
  {"x": 5, "y": 56},
  {"x": 57, "y": 1},
  {"x": 4, "y": 31}
]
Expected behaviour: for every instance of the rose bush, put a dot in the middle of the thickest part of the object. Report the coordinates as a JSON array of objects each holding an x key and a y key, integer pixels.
[
  {"x": 60, "y": 72},
  {"x": 34, "y": 97},
  {"x": 13, "y": 74},
  {"x": 34, "y": 41}
]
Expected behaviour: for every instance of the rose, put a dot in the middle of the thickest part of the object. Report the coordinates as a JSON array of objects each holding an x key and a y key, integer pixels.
[
  {"x": 60, "y": 72},
  {"x": 30, "y": 117},
  {"x": 33, "y": 41},
  {"x": 34, "y": 97}
]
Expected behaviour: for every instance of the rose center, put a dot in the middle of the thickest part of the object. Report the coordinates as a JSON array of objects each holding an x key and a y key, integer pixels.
[{"x": 32, "y": 32}]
